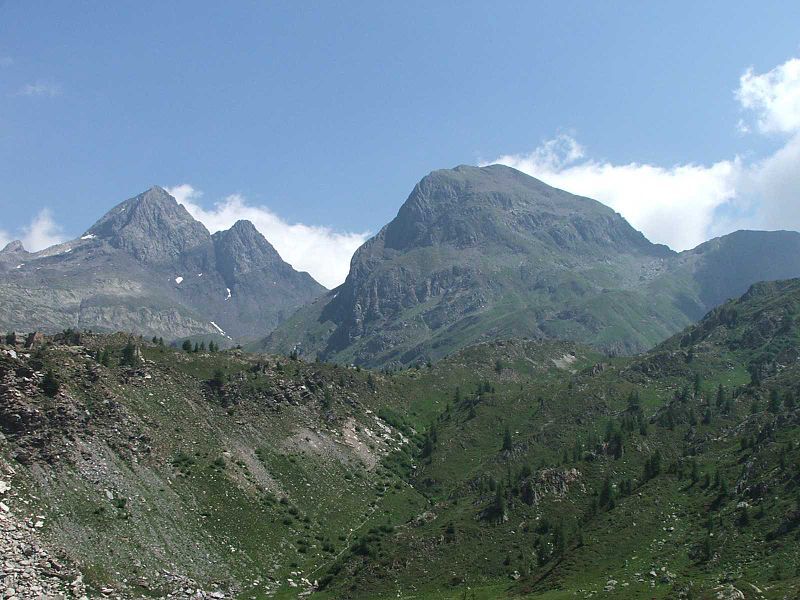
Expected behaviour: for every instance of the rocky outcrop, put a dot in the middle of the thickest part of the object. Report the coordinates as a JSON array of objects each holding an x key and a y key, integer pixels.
[{"x": 553, "y": 483}]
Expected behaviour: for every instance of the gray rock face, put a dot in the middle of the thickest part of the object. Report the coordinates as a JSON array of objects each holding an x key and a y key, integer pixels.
[
  {"x": 482, "y": 253},
  {"x": 242, "y": 249},
  {"x": 148, "y": 267},
  {"x": 152, "y": 227},
  {"x": 497, "y": 205}
]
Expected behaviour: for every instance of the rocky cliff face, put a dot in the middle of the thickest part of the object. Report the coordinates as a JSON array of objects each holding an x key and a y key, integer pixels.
[
  {"x": 477, "y": 253},
  {"x": 148, "y": 267}
]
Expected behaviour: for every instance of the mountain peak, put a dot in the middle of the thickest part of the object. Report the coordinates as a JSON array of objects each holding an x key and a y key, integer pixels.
[
  {"x": 243, "y": 248},
  {"x": 243, "y": 226},
  {"x": 152, "y": 226},
  {"x": 15, "y": 246},
  {"x": 468, "y": 206}
]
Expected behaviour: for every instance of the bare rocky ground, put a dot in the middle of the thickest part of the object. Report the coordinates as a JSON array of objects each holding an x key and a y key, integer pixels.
[{"x": 28, "y": 570}]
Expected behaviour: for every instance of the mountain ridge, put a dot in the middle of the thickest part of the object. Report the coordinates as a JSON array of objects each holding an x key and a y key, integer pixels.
[
  {"x": 477, "y": 253},
  {"x": 149, "y": 267}
]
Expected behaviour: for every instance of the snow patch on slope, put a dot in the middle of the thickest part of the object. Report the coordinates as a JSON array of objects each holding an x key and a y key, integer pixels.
[{"x": 218, "y": 328}]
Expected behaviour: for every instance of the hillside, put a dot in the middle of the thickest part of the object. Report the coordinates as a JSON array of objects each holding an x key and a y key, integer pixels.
[
  {"x": 674, "y": 474},
  {"x": 476, "y": 254},
  {"x": 154, "y": 469},
  {"x": 509, "y": 469},
  {"x": 148, "y": 266}
]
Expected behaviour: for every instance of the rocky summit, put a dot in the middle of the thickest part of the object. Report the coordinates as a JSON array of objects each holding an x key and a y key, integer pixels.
[
  {"x": 479, "y": 253},
  {"x": 148, "y": 267}
]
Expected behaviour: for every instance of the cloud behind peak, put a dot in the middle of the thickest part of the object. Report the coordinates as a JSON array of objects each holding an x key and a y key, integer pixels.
[{"x": 321, "y": 251}]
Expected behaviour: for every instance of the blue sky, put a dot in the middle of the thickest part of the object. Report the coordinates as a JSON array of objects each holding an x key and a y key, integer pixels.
[{"x": 317, "y": 120}]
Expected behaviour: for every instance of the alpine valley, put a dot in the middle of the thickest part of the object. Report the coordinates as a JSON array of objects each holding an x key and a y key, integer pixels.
[{"x": 514, "y": 395}]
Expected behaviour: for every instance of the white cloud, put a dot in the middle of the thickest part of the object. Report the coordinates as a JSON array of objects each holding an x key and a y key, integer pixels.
[
  {"x": 683, "y": 205},
  {"x": 42, "y": 232},
  {"x": 774, "y": 97},
  {"x": 673, "y": 205},
  {"x": 321, "y": 251},
  {"x": 39, "y": 89},
  {"x": 767, "y": 193}
]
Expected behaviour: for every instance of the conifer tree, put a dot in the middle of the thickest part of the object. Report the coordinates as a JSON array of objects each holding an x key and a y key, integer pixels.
[
  {"x": 507, "y": 442},
  {"x": 50, "y": 385}
]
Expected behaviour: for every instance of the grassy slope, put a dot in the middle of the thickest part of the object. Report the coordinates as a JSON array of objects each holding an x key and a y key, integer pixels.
[
  {"x": 422, "y": 519},
  {"x": 242, "y": 489},
  {"x": 691, "y": 533}
]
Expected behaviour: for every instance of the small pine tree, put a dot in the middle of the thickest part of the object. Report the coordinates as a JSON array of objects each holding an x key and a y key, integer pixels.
[
  {"x": 774, "y": 402},
  {"x": 50, "y": 385},
  {"x": 129, "y": 356},
  {"x": 652, "y": 466},
  {"x": 508, "y": 443},
  {"x": 695, "y": 473},
  {"x": 187, "y": 346},
  {"x": 427, "y": 447},
  {"x": 744, "y": 517},
  {"x": 499, "y": 506},
  {"x": 707, "y": 550},
  {"x": 217, "y": 381},
  {"x": 606, "y": 493},
  {"x": 559, "y": 540},
  {"x": 105, "y": 357},
  {"x": 616, "y": 445},
  {"x": 720, "y": 396}
]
